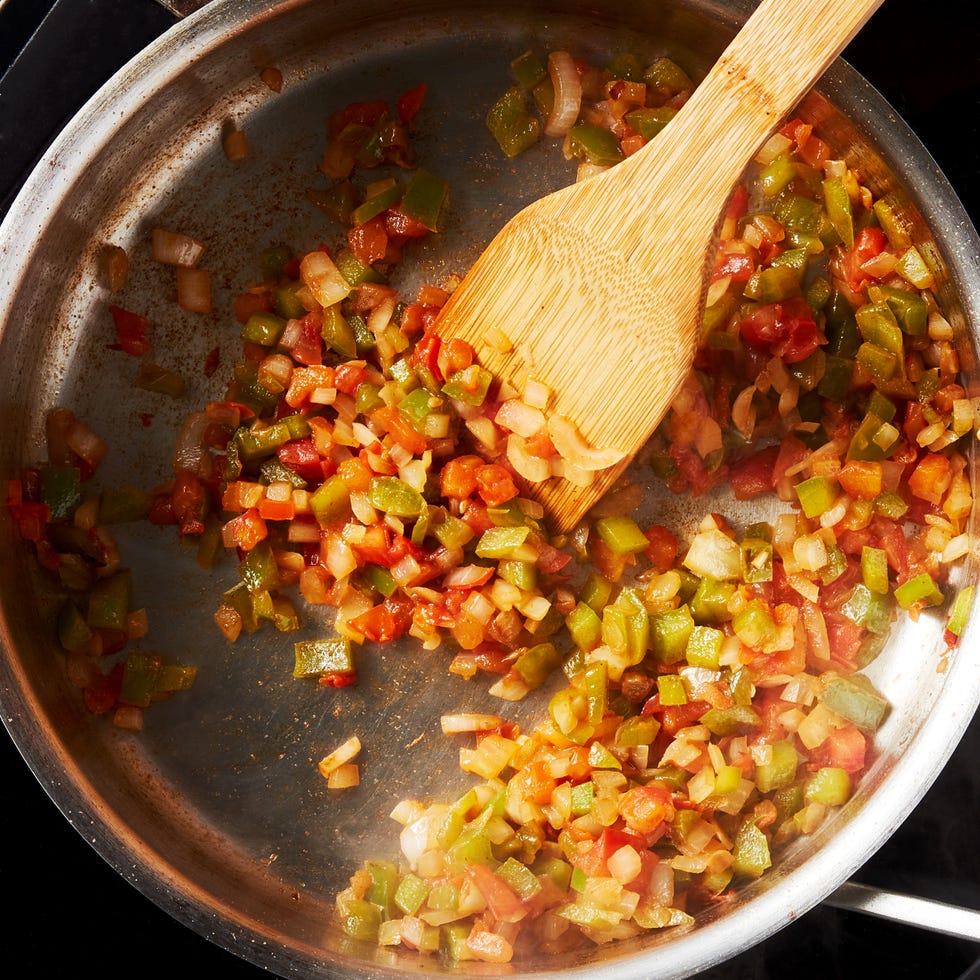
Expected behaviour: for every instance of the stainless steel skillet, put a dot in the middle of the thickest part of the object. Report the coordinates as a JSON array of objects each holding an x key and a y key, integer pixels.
[{"x": 234, "y": 779}]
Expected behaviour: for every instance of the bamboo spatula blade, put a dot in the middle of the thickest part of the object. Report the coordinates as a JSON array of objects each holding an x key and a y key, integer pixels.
[{"x": 596, "y": 290}]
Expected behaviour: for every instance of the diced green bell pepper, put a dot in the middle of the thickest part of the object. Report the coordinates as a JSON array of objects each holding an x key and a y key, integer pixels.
[
  {"x": 536, "y": 663},
  {"x": 874, "y": 569},
  {"x": 670, "y": 631},
  {"x": 817, "y": 495},
  {"x": 671, "y": 690},
  {"x": 830, "y": 786},
  {"x": 469, "y": 385},
  {"x": 61, "y": 490},
  {"x": 751, "y": 850},
  {"x": 395, "y": 497},
  {"x": 596, "y": 144},
  {"x": 754, "y": 626},
  {"x": 264, "y": 329},
  {"x": 140, "y": 676},
  {"x": 704, "y": 647},
  {"x": 874, "y": 439},
  {"x": 74, "y": 633},
  {"x": 737, "y": 720},
  {"x": 622, "y": 534},
  {"x": 855, "y": 698},
  {"x": 838, "y": 204},
  {"x": 921, "y": 588},
  {"x": 359, "y": 918},
  {"x": 330, "y": 501},
  {"x": 109, "y": 601},
  {"x": 649, "y": 121},
  {"x": 780, "y": 771},
  {"x": 425, "y": 198},
  {"x": 337, "y": 332},
  {"x": 502, "y": 542},
  {"x": 258, "y": 569},
  {"x": 313, "y": 658},
  {"x": 868, "y": 609},
  {"x": 511, "y": 123},
  {"x": 626, "y": 626},
  {"x": 665, "y": 77},
  {"x": 528, "y": 69},
  {"x": 411, "y": 893},
  {"x": 709, "y": 604},
  {"x": 959, "y": 615},
  {"x": 519, "y": 877},
  {"x": 909, "y": 308},
  {"x": 637, "y": 730}
]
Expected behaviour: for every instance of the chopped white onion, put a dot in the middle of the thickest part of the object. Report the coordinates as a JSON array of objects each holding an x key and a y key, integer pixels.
[
  {"x": 189, "y": 451},
  {"x": 173, "y": 248},
  {"x": 324, "y": 279},
  {"x": 568, "y": 93},
  {"x": 534, "y": 469},
  {"x": 566, "y": 438}
]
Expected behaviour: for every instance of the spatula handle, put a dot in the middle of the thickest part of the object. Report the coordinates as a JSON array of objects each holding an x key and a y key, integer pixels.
[{"x": 777, "y": 56}]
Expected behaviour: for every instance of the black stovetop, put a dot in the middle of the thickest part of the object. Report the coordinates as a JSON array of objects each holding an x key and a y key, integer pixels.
[{"x": 69, "y": 912}]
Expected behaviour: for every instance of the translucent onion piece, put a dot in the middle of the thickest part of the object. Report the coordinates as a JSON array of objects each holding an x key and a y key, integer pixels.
[
  {"x": 194, "y": 290},
  {"x": 340, "y": 756},
  {"x": 324, "y": 279},
  {"x": 173, "y": 248},
  {"x": 534, "y": 469},
  {"x": 566, "y": 438},
  {"x": 469, "y": 721},
  {"x": 189, "y": 451},
  {"x": 568, "y": 93}
]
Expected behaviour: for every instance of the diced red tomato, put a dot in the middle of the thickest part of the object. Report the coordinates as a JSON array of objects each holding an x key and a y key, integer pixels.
[
  {"x": 369, "y": 241},
  {"x": 844, "y": 748},
  {"x": 753, "y": 475},
  {"x": 410, "y": 102},
  {"x": 348, "y": 376},
  {"x": 301, "y": 456},
  {"x": 646, "y": 808},
  {"x": 662, "y": 550},
  {"x": 495, "y": 484},
  {"x": 426, "y": 354},
  {"x": 787, "y": 328},
  {"x": 503, "y": 902},
  {"x": 189, "y": 502},
  {"x": 458, "y": 477},
  {"x": 386, "y": 621},
  {"x": 131, "y": 332},
  {"x": 401, "y": 430},
  {"x": 337, "y": 679}
]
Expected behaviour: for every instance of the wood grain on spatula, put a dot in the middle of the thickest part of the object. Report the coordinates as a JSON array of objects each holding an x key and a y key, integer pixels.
[{"x": 598, "y": 288}]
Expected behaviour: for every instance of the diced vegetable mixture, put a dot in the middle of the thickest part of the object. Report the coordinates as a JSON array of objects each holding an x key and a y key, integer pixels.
[{"x": 702, "y": 696}]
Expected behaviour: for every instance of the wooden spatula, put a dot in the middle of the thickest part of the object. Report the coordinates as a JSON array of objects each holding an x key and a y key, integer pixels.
[{"x": 598, "y": 287}]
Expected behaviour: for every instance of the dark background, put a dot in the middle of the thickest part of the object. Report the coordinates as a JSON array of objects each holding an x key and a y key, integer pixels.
[{"x": 67, "y": 911}]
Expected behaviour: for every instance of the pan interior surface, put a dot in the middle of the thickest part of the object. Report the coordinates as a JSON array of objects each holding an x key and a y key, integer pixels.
[{"x": 216, "y": 809}]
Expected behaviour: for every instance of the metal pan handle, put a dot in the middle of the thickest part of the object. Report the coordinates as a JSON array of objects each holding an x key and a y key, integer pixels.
[{"x": 922, "y": 913}]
